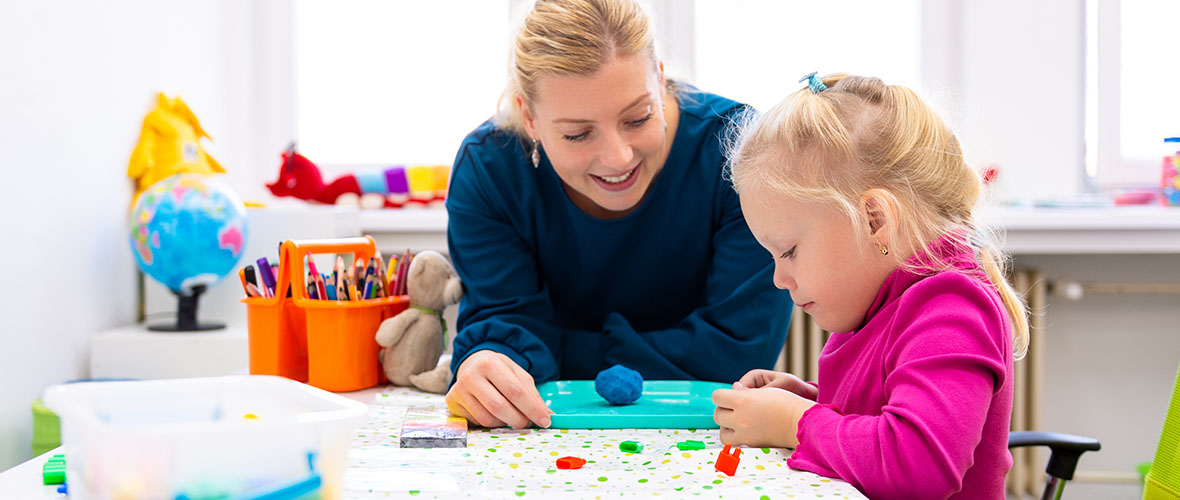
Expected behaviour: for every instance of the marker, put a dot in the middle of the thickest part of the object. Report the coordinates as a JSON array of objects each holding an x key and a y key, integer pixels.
[
  {"x": 252, "y": 290},
  {"x": 268, "y": 277},
  {"x": 242, "y": 276},
  {"x": 250, "y": 275}
]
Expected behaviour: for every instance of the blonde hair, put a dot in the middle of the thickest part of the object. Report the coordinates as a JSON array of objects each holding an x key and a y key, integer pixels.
[
  {"x": 860, "y": 135},
  {"x": 571, "y": 37}
]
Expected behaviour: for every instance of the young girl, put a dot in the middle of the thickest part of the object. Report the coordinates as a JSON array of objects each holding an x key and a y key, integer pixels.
[{"x": 861, "y": 194}]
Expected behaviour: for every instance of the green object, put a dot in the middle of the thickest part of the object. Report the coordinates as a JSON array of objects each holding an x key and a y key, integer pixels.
[
  {"x": 1163, "y": 480},
  {"x": 54, "y": 470},
  {"x": 46, "y": 428},
  {"x": 690, "y": 445},
  {"x": 631, "y": 446},
  {"x": 665, "y": 404}
]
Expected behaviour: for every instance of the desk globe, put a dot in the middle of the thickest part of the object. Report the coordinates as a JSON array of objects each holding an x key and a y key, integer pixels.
[{"x": 188, "y": 231}]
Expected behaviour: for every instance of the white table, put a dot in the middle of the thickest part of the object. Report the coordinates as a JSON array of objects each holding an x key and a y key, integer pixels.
[{"x": 510, "y": 463}]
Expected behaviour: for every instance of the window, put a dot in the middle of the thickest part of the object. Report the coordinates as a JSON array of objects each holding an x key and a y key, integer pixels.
[
  {"x": 382, "y": 83},
  {"x": 755, "y": 51},
  {"x": 1131, "y": 104}
]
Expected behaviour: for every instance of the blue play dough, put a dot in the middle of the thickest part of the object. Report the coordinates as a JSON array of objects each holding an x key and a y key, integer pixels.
[{"x": 619, "y": 385}]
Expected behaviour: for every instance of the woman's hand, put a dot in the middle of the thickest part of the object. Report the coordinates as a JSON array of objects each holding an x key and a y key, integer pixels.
[
  {"x": 767, "y": 417},
  {"x": 755, "y": 379},
  {"x": 493, "y": 391}
]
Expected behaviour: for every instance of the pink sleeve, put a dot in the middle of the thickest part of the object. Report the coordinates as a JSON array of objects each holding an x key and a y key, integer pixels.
[{"x": 940, "y": 375}]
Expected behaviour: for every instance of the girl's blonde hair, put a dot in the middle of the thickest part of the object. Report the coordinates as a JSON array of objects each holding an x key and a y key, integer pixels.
[
  {"x": 858, "y": 135},
  {"x": 572, "y": 37}
]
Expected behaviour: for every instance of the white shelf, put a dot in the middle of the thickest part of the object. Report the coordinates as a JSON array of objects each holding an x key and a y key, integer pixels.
[
  {"x": 135, "y": 352},
  {"x": 1114, "y": 230}
]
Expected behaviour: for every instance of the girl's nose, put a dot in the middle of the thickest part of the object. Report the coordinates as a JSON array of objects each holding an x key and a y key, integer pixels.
[{"x": 782, "y": 279}]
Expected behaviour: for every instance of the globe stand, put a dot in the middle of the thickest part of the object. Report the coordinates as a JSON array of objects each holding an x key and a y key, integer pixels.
[{"x": 186, "y": 315}]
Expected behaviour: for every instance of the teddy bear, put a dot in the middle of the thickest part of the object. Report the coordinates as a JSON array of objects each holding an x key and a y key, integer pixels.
[{"x": 414, "y": 339}]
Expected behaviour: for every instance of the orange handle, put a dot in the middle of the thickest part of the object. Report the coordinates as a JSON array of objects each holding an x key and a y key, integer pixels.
[{"x": 293, "y": 251}]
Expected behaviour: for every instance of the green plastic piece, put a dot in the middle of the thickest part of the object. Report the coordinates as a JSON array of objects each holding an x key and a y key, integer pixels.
[
  {"x": 665, "y": 404},
  {"x": 46, "y": 428},
  {"x": 690, "y": 445},
  {"x": 54, "y": 470},
  {"x": 631, "y": 446}
]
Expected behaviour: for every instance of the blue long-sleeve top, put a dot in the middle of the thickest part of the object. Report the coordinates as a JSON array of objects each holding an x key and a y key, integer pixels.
[{"x": 677, "y": 289}]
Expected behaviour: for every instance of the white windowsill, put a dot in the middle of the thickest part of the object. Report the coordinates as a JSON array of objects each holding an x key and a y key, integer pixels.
[{"x": 1149, "y": 229}]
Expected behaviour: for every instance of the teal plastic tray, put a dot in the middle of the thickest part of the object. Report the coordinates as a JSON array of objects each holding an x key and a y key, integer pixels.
[{"x": 665, "y": 404}]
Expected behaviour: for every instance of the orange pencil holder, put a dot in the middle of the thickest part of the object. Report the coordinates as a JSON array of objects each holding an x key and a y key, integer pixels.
[{"x": 330, "y": 344}]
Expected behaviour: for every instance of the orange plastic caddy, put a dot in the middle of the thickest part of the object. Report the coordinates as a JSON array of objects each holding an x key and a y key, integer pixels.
[{"x": 330, "y": 344}]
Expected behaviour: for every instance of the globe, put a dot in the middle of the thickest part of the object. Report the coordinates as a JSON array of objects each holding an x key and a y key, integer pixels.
[{"x": 187, "y": 232}]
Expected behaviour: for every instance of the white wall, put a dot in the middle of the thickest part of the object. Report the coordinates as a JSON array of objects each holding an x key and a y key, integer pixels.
[{"x": 76, "y": 79}]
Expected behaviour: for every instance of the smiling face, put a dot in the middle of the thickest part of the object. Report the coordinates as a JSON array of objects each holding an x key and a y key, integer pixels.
[
  {"x": 606, "y": 134},
  {"x": 832, "y": 267}
]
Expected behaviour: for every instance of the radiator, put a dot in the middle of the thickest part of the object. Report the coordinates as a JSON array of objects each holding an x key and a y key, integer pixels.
[{"x": 800, "y": 356}]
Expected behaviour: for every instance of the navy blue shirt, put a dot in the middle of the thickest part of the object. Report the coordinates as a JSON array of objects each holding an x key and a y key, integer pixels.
[{"x": 677, "y": 289}]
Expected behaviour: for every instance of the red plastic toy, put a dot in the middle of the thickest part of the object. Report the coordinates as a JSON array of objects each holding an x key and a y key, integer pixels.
[
  {"x": 566, "y": 463},
  {"x": 727, "y": 462}
]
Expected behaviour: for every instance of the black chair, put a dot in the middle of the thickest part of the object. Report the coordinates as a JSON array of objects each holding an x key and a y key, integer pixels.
[{"x": 1064, "y": 452}]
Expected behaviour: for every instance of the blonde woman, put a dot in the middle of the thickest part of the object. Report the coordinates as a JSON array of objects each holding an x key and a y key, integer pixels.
[
  {"x": 592, "y": 226},
  {"x": 914, "y": 394}
]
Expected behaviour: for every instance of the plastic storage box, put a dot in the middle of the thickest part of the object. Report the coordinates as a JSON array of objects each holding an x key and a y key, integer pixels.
[{"x": 220, "y": 437}]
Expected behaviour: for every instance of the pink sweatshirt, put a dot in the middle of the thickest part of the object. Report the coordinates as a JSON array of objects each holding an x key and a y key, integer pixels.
[{"x": 917, "y": 403}]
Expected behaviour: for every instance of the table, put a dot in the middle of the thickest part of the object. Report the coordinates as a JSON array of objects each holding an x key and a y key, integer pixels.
[{"x": 509, "y": 463}]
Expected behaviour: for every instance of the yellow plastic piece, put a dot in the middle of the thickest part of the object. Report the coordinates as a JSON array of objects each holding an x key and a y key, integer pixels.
[{"x": 169, "y": 144}]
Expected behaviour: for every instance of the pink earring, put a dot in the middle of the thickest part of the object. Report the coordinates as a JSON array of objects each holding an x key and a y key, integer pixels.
[{"x": 536, "y": 156}]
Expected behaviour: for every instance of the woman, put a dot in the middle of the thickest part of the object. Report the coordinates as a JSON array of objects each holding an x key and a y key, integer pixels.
[{"x": 592, "y": 226}]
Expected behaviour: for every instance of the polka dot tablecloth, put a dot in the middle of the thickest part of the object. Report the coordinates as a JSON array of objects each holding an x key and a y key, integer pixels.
[{"x": 508, "y": 463}]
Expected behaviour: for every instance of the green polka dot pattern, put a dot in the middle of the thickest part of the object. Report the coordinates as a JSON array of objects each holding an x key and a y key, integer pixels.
[{"x": 510, "y": 463}]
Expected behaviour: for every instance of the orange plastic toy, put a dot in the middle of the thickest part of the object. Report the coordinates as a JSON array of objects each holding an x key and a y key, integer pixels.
[
  {"x": 727, "y": 462},
  {"x": 329, "y": 344},
  {"x": 567, "y": 463}
]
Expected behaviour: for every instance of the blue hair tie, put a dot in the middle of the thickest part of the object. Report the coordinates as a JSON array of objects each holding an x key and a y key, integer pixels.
[{"x": 814, "y": 82}]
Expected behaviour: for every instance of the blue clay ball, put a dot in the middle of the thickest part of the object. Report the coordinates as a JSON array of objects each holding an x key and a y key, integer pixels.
[{"x": 619, "y": 385}]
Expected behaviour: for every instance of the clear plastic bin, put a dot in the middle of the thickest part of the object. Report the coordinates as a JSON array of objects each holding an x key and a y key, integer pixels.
[{"x": 214, "y": 437}]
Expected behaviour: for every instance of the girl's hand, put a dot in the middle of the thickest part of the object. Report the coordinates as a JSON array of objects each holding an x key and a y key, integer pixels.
[
  {"x": 493, "y": 391},
  {"x": 766, "y": 378},
  {"x": 767, "y": 417}
]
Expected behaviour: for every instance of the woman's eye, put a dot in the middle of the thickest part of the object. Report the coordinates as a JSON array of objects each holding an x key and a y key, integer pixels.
[
  {"x": 639, "y": 123},
  {"x": 788, "y": 254},
  {"x": 576, "y": 138}
]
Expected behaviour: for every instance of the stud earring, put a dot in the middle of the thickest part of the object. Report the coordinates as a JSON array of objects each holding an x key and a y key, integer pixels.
[
  {"x": 884, "y": 250},
  {"x": 536, "y": 156}
]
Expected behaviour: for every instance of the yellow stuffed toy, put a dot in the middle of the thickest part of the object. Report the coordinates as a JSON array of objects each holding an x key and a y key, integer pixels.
[{"x": 169, "y": 144}]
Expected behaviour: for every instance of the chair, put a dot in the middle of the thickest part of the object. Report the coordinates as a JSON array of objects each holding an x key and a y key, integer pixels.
[
  {"x": 1163, "y": 480},
  {"x": 1064, "y": 452}
]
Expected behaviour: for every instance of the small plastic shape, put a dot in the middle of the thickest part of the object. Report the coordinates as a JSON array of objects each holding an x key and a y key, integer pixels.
[
  {"x": 568, "y": 463},
  {"x": 250, "y": 416},
  {"x": 54, "y": 470},
  {"x": 690, "y": 445},
  {"x": 727, "y": 462},
  {"x": 631, "y": 446}
]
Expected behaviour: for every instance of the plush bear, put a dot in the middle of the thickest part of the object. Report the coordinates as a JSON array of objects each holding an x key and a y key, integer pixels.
[{"x": 414, "y": 339}]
